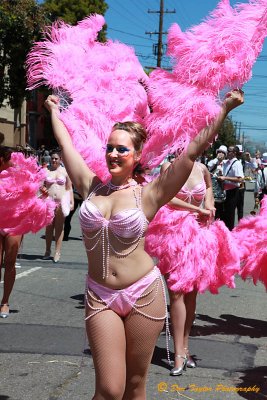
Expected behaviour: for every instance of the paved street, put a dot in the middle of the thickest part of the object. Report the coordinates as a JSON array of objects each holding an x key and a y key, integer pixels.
[{"x": 44, "y": 354}]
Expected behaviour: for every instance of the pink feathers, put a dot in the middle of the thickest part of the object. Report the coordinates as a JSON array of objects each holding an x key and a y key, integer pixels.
[
  {"x": 21, "y": 208},
  {"x": 192, "y": 257},
  {"x": 220, "y": 51},
  {"x": 107, "y": 83},
  {"x": 214, "y": 55},
  {"x": 250, "y": 235},
  {"x": 104, "y": 80},
  {"x": 179, "y": 112}
]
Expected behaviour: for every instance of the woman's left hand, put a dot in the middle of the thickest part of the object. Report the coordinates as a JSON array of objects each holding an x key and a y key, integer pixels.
[
  {"x": 44, "y": 190},
  {"x": 203, "y": 216}
]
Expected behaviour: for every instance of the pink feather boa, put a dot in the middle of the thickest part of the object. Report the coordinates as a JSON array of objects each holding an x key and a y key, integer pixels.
[
  {"x": 192, "y": 257},
  {"x": 250, "y": 235},
  {"x": 21, "y": 209}
]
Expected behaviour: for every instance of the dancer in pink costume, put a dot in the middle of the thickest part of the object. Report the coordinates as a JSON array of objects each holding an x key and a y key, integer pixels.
[
  {"x": 9, "y": 246},
  {"x": 124, "y": 294},
  {"x": 57, "y": 186},
  {"x": 22, "y": 210},
  {"x": 194, "y": 254}
]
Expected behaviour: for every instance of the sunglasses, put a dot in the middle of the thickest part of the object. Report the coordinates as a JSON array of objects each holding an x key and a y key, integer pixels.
[{"x": 122, "y": 151}]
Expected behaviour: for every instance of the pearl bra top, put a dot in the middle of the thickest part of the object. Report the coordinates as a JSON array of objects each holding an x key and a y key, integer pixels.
[
  {"x": 195, "y": 195},
  {"x": 129, "y": 224},
  {"x": 60, "y": 180}
]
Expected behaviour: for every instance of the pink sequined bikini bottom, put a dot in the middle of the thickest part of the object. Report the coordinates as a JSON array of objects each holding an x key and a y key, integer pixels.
[{"x": 121, "y": 301}]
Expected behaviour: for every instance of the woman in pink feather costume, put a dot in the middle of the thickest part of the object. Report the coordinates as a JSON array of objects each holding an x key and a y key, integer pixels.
[
  {"x": 124, "y": 292},
  {"x": 21, "y": 211},
  {"x": 9, "y": 247},
  {"x": 193, "y": 254},
  {"x": 250, "y": 235}
]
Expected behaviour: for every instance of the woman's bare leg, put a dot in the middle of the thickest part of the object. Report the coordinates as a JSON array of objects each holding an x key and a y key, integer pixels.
[
  {"x": 11, "y": 248},
  {"x": 49, "y": 237},
  {"x": 59, "y": 229},
  {"x": 190, "y": 304},
  {"x": 178, "y": 318},
  {"x": 1, "y": 254}
]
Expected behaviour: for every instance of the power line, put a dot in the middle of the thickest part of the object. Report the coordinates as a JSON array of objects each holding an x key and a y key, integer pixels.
[{"x": 130, "y": 34}]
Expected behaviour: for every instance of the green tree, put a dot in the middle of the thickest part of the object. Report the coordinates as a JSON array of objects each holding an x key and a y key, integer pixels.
[
  {"x": 72, "y": 11},
  {"x": 226, "y": 135},
  {"x": 20, "y": 24}
]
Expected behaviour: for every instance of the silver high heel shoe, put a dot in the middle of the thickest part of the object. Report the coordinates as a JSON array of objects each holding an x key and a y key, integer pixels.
[
  {"x": 56, "y": 257},
  {"x": 4, "y": 314},
  {"x": 179, "y": 370},
  {"x": 190, "y": 363}
]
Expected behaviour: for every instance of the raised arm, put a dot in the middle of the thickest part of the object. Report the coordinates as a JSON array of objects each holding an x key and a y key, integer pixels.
[
  {"x": 78, "y": 171},
  {"x": 164, "y": 188}
]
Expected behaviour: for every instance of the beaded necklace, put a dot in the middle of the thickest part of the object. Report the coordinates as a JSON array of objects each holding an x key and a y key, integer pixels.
[{"x": 110, "y": 185}]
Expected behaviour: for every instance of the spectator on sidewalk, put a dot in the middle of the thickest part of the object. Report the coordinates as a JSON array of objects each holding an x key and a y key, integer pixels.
[
  {"x": 215, "y": 167},
  {"x": 247, "y": 162},
  {"x": 232, "y": 177},
  {"x": 67, "y": 225},
  {"x": 261, "y": 179}
]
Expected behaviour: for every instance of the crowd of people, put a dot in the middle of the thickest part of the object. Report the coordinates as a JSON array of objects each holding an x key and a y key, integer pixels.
[{"x": 230, "y": 170}]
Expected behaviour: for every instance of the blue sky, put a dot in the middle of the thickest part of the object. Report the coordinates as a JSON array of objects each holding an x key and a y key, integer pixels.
[{"x": 128, "y": 20}]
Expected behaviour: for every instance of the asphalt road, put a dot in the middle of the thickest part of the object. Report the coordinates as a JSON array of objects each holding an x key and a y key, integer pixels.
[{"x": 44, "y": 354}]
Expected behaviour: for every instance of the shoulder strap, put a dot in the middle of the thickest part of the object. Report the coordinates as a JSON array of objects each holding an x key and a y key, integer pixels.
[
  {"x": 138, "y": 195},
  {"x": 93, "y": 191},
  {"x": 230, "y": 168},
  {"x": 263, "y": 176}
]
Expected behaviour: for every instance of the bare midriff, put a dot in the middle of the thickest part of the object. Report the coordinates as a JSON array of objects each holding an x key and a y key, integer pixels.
[{"x": 123, "y": 271}]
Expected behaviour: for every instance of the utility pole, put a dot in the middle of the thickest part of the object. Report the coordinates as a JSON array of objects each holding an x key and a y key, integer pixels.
[
  {"x": 159, "y": 50},
  {"x": 239, "y": 132}
]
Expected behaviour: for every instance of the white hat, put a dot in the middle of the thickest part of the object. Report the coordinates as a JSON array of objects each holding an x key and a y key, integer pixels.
[
  {"x": 240, "y": 147},
  {"x": 264, "y": 159},
  {"x": 223, "y": 149}
]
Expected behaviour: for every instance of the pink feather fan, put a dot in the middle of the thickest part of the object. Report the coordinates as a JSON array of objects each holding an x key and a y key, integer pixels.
[
  {"x": 105, "y": 82},
  {"x": 192, "y": 257},
  {"x": 250, "y": 236},
  {"x": 22, "y": 210},
  {"x": 217, "y": 54}
]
